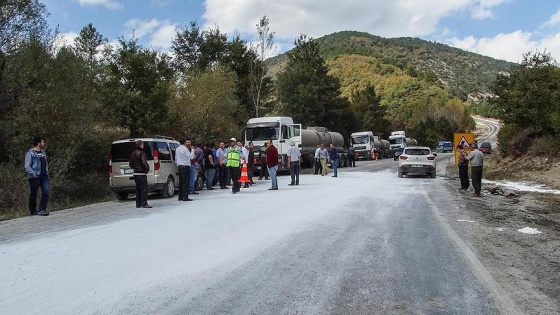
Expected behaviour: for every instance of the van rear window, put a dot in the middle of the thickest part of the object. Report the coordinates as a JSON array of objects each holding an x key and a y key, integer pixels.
[{"x": 120, "y": 152}]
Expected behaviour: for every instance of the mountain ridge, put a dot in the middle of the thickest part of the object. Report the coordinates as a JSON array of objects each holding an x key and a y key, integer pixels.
[{"x": 465, "y": 74}]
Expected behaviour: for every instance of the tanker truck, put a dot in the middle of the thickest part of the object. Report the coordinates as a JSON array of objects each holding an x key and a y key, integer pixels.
[
  {"x": 282, "y": 131},
  {"x": 385, "y": 149},
  {"x": 364, "y": 143},
  {"x": 398, "y": 139}
]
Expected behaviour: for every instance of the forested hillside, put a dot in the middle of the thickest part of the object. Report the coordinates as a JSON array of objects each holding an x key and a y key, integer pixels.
[{"x": 462, "y": 72}]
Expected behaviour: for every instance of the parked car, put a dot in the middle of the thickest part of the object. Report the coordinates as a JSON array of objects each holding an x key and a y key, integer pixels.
[
  {"x": 444, "y": 146},
  {"x": 163, "y": 177},
  {"x": 417, "y": 160},
  {"x": 398, "y": 152},
  {"x": 485, "y": 147}
]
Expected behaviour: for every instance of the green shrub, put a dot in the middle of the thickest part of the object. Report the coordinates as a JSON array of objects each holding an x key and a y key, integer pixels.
[
  {"x": 505, "y": 136},
  {"x": 546, "y": 146},
  {"x": 65, "y": 192},
  {"x": 14, "y": 191}
]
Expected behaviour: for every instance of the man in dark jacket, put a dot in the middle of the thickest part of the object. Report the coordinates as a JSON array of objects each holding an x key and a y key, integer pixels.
[
  {"x": 272, "y": 164},
  {"x": 333, "y": 156},
  {"x": 463, "y": 167},
  {"x": 139, "y": 162},
  {"x": 37, "y": 169},
  {"x": 250, "y": 164}
]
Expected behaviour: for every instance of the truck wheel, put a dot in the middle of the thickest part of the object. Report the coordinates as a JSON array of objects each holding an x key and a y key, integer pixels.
[
  {"x": 400, "y": 174},
  {"x": 169, "y": 190},
  {"x": 121, "y": 195},
  {"x": 433, "y": 174},
  {"x": 368, "y": 155}
]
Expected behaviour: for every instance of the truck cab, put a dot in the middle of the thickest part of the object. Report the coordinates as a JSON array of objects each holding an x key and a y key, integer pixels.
[
  {"x": 397, "y": 139},
  {"x": 281, "y": 130},
  {"x": 363, "y": 143}
]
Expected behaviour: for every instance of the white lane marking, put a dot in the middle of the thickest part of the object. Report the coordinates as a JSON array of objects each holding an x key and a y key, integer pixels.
[{"x": 506, "y": 304}]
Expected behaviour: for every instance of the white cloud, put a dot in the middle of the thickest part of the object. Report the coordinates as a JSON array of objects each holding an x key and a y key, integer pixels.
[
  {"x": 66, "y": 39},
  {"x": 510, "y": 46},
  {"x": 163, "y": 36},
  {"x": 482, "y": 9},
  {"x": 109, "y": 4},
  {"x": 161, "y": 33},
  {"x": 289, "y": 18},
  {"x": 555, "y": 19},
  {"x": 141, "y": 28}
]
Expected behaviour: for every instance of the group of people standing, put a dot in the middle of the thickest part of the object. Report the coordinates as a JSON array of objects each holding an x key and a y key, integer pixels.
[
  {"x": 476, "y": 158},
  {"x": 322, "y": 158},
  {"x": 220, "y": 166}
]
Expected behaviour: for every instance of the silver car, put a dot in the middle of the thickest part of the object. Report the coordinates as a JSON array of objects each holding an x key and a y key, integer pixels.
[
  {"x": 417, "y": 161},
  {"x": 163, "y": 176}
]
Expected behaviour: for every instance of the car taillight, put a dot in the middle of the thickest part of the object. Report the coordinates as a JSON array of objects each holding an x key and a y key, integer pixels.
[
  {"x": 431, "y": 158},
  {"x": 110, "y": 167},
  {"x": 402, "y": 157},
  {"x": 155, "y": 153}
]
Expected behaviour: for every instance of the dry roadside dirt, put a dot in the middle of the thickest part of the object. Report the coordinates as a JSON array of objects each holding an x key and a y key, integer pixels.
[{"x": 526, "y": 266}]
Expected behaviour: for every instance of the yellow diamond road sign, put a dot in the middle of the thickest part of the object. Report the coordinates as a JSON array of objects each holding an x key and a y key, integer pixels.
[{"x": 466, "y": 139}]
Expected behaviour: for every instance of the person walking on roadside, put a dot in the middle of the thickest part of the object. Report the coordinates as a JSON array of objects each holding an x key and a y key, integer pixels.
[
  {"x": 233, "y": 162},
  {"x": 351, "y": 157},
  {"x": 183, "y": 159},
  {"x": 272, "y": 163},
  {"x": 477, "y": 159},
  {"x": 324, "y": 158},
  {"x": 221, "y": 155},
  {"x": 139, "y": 163},
  {"x": 37, "y": 169},
  {"x": 333, "y": 156},
  {"x": 209, "y": 165},
  {"x": 317, "y": 161},
  {"x": 294, "y": 156},
  {"x": 463, "y": 165},
  {"x": 264, "y": 169}
]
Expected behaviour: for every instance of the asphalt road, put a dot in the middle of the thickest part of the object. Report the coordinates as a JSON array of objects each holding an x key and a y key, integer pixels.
[
  {"x": 487, "y": 130},
  {"x": 366, "y": 242}
]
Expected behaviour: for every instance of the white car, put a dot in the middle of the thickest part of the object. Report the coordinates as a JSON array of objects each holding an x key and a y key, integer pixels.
[{"x": 417, "y": 161}]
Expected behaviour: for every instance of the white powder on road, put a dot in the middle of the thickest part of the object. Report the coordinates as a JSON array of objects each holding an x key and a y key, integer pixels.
[{"x": 528, "y": 230}]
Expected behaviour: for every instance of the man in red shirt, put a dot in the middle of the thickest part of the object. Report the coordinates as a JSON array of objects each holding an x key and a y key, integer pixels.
[{"x": 272, "y": 163}]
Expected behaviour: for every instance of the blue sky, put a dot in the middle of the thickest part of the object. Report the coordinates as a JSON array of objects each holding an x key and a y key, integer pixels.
[{"x": 503, "y": 29}]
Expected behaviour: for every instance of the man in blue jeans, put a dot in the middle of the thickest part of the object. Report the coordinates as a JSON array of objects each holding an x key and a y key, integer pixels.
[
  {"x": 333, "y": 156},
  {"x": 37, "y": 169},
  {"x": 272, "y": 163}
]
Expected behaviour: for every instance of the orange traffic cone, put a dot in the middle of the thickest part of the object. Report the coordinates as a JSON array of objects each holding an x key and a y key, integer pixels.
[{"x": 244, "y": 177}]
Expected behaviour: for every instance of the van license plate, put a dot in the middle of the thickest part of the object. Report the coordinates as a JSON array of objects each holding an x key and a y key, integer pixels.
[{"x": 128, "y": 171}]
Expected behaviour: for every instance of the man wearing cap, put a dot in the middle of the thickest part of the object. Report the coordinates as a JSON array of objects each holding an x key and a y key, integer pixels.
[
  {"x": 294, "y": 155},
  {"x": 477, "y": 158},
  {"x": 233, "y": 163}
]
